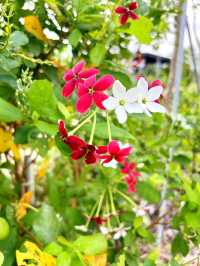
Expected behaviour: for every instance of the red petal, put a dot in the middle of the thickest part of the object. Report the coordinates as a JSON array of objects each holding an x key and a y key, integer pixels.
[
  {"x": 90, "y": 158},
  {"x": 84, "y": 103},
  {"x": 133, "y": 5},
  {"x": 77, "y": 154},
  {"x": 88, "y": 83},
  {"x": 104, "y": 83},
  {"x": 82, "y": 90},
  {"x": 120, "y": 10},
  {"x": 155, "y": 83},
  {"x": 123, "y": 19},
  {"x": 99, "y": 97},
  {"x": 125, "y": 151},
  {"x": 133, "y": 15},
  {"x": 88, "y": 73},
  {"x": 78, "y": 67},
  {"x": 68, "y": 88},
  {"x": 75, "y": 142},
  {"x": 62, "y": 129},
  {"x": 102, "y": 149},
  {"x": 113, "y": 147},
  {"x": 108, "y": 159},
  {"x": 68, "y": 75}
]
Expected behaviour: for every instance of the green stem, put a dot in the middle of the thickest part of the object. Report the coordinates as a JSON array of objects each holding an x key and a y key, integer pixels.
[
  {"x": 109, "y": 128},
  {"x": 82, "y": 123},
  {"x": 108, "y": 212},
  {"x": 125, "y": 197},
  {"x": 91, "y": 214},
  {"x": 114, "y": 212},
  {"x": 100, "y": 204},
  {"x": 93, "y": 129}
]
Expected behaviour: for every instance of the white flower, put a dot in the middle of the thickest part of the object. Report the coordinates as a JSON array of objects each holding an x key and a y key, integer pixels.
[
  {"x": 120, "y": 101},
  {"x": 81, "y": 228},
  {"x": 29, "y": 5},
  {"x": 120, "y": 232},
  {"x": 104, "y": 230},
  {"x": 51, "y": 34},
  {"x": 144, "y": 99}
]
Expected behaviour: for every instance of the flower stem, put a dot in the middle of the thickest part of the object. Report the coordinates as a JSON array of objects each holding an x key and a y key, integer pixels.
[
  {"x": 100, "y": 204},
  {"x": 114, "y": 212},
  {"x": 125, "y": 197},
  {"x": 83, "y": 123},
  {"x": 93, "y": 129},
  {"x": 108, "y": 212},
  {"x": 109, "y": 128},
  {"x": 91, "y": 214}
]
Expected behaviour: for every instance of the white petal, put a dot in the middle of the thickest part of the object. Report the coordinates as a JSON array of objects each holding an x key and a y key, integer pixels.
[
  {"x": 155, "y": 107},
  {"x": 119, "y": 91},
  {"x": 111, "y": 103},
  {"x": 134, "y": 108},
  {"x": 111, "y": 164},
  {"x": 154, "y": 93},
  {"x": 132, "y": 95},
  {"x": 142, "y": 86},
  {"x": 117, "y": 235},
  {"x": 121, "y": 114}
]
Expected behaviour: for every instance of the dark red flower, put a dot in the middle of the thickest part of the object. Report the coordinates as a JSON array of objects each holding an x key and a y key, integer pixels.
[
  {"x": 75, "y": 76},
  {"x": 79, "y": 148},
  {"x": 98, "y": 220},
  {"x": 127, "y": 12},
  {"x": 90, "y": 92},
  {"x": 113, "y": 151}
]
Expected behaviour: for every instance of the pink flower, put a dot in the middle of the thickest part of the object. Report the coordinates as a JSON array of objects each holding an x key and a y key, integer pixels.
[
  {"x": 131, "y": 178},
  {"x": 79, "y": 148},
  {"x": 113, "y": 151},
  {"x": 131, "y": 181},
  {"x": 127, "y": 12},
  {"x": 90, "y": 92},
  {"x": 75, "y": 76}
]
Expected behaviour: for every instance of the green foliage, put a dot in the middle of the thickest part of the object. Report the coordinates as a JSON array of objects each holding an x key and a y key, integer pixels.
[{"x": 8, "y": 112}]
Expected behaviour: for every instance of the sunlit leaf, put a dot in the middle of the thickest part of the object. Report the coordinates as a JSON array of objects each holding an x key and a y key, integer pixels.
[{"x": 32, "y": 25}]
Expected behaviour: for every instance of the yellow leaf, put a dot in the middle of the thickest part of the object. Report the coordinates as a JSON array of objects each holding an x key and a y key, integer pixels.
[
  {"x": 15, "y": 151},
  {"x": 5, "y": 140},
  {"x": 22, "y": 205},
  {"x": 32, "y": 25},
  {"x": 43, "y": 168},
  {"x": 33, "y": 256},
  {"x": 98, "y": 260}
]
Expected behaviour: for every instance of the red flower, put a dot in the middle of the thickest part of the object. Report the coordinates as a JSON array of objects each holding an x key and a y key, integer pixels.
[
  {"x": 98, "y": 220},
  {"x": 113, "y": 151},
  {"x": 154, "y": 84},
  {"x": 79, "y": 148},
  {"x": 127, "y": 12},
  {"x": 90, "y": 91},
  {"x": 131, "y": 178},
  {"x": 75, "y": 76},
  {"x": 131, "y": 181}
]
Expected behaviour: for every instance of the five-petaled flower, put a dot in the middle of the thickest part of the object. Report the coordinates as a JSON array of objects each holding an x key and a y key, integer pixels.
[
  {"x": 79, "y": 148},
  {"x": 127, "y": 12},
  {"x": 91, "y": 92},
  {"x": 144, "y": 99},
  {"x": 120, "y": 101},
  {"x": 113, "y": 152},
  {"x": 75, "y": 76}
]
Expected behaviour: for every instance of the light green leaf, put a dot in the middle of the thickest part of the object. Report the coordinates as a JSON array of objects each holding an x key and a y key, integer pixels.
[
  {"x": 141, "y": 29},
  {"x": 53, "y": 249},
  {"x": 97, "y": 54},
  {"x": 8, "y": 112},
  {"x": 148, "y": 192},
  {"x": 75, "y": 37},
  {"x": 121, "y": 260},
  {"x": 91, "y": 245},
  {"x": 64, "y": 259},
  {"x": 45, "y": 127},
  {"x": 42, "y": 100},
  {"x": 18, "y": 39}
]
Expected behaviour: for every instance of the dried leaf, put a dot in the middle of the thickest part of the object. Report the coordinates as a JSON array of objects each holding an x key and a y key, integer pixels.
[
  {"x": 97, "y": 260},
  {"x": 22, "y": 205},
  {"x": 32, "y": 25},
  {"x": 15, "y": 150},
  {"x": 34, "y": 256},
  {"x": 5, "y": 140},
  {"x": 43, "y": 168}
]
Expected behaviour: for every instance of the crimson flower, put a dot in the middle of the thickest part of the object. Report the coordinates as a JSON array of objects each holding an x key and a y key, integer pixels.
[
  {"x": 75, "y": 76},
  {"x": 113, "y": 151},
  {"x": 90, "y": 92},
  {"x": 127, "y": 12},
  {"x": 98, "y": 220},
  {"x": 131, "y": 181},
  {"x": 79, "y": 148},
  {"x": 131, "y": 178}
]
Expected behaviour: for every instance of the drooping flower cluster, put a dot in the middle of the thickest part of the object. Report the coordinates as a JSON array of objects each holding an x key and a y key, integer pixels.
[
  {"x": 127, "y": 12},
  {"x": 89, "y": 90},
  {"x": 131, "y": 175}
]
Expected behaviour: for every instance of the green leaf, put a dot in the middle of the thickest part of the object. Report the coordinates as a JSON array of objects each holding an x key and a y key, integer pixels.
[
  {"x": 64, "y": 149},
  {"x": 46, "y": 226},
  {"x": 192, "y": 220},
  {"x": 42, "y": 99},
  {"x": 18, "y": 39},
  {"x": 50, "y": 129},
  {"x": 53, "y": 249},
  {"x": 121, "y": 261},
  {"x": 179, "y": 245},
  {"x": 9, "y": 113},
  {"x": 75, "y": 37},
  {"x": 141, "y": 29},
  {"x": 148, "y": 192},
  {"x": 97, "y": 54},
  {"x": 91, "y": 245},
  {"x": 22, "y": 134},
  {"x": 64, "y": 259}
]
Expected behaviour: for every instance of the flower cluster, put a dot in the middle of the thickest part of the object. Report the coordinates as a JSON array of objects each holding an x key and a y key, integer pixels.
[
  {"x": 127, "y": 12},
  {"x": 131, "y": 175},
  {"x": 89, "y": 90}
]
